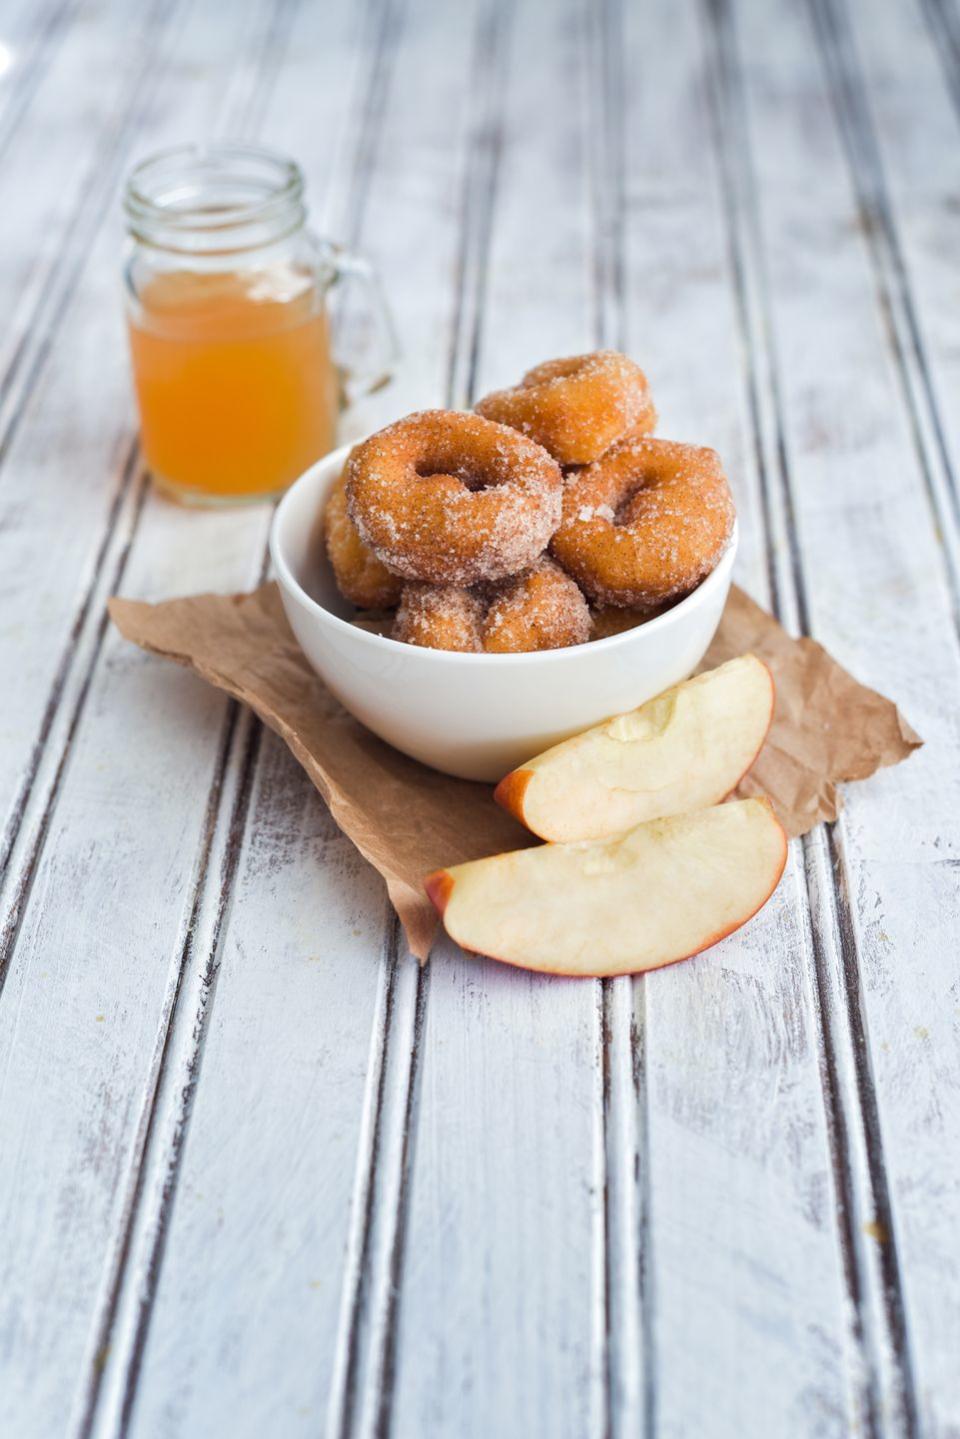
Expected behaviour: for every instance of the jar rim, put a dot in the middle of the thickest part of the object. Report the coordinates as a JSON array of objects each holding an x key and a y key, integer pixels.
[{"x": 220, "y": 196}]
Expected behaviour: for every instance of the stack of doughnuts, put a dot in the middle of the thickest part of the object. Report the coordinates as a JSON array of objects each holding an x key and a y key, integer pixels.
[{"x": 547, "y": 518}]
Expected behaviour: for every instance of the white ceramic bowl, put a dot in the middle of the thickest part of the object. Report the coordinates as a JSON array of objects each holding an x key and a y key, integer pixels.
[{"x": 476, "y": 716}]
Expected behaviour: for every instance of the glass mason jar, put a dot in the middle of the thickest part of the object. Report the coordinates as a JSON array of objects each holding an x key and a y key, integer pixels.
[{"x": 228, "y": 298}]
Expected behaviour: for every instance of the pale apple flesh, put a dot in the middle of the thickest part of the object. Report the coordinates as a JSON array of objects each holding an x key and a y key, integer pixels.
[
  {"x": 653, "y": 895},
  {"x": 686, "y": 749}
]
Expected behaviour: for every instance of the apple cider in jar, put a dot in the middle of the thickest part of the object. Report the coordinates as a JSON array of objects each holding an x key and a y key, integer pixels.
[{"x": 227, "y": 308}]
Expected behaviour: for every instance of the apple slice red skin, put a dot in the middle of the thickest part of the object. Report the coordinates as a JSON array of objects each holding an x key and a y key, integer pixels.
[
  {"x": 439, "y": 887},
  {"x": 511, "y": 789}
]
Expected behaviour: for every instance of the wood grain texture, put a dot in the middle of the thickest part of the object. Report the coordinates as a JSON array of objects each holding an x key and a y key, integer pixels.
[
  {"x": 847, "y": 449},
  {"x": 258, "y": 1169},
  {"x": 728, "y": 1119},
  {"x": 889, "y": 909},
  {"x": 79, "y": 1165},
  {"x": 358, "y": 1247},
  {"x": 504, "y": 1229}
]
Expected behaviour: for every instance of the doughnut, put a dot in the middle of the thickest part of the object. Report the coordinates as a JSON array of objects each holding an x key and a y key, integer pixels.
[
  {"x": 360, "y": 576},
  {"x": 645, "y": 523},
  {"x": 453, "y": 498},
  {"x": 541, "y": 609},
  {"x": 439, "y": 617},
  {"x": 576, "y": 408}
]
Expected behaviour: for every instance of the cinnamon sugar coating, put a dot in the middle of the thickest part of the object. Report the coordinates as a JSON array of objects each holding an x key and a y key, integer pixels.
[
  {"x": 360, "y": 576},
  {"x": 540, "y": 609},
  {"x": 576, "y": 407},
  {"x": 452, "y": 498},
  {"x": 645, "y": 523}
]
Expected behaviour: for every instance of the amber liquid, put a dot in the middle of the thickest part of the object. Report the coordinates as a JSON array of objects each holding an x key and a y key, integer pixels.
[{"x": 237, "y": 389}]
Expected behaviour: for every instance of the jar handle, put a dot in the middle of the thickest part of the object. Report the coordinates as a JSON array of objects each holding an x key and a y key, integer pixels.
[{"x": 365, "y": 362}]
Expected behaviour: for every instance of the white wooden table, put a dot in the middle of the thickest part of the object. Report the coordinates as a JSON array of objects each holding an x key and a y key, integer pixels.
[{"x": 259, "y": 1174}]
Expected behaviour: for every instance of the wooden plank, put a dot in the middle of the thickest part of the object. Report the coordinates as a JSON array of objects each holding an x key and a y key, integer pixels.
[
  {"x": 500, "y": 1321},
  {"x": 740, "y": 1289},
  {"x": 892, "y": 97},
  {"x": 944, "y": 25},
  {"x": 71, "y": 498},
  {"x": 95, "y": 94},
  {"x": 344, "y": 1230},
  {"x": 32, "y": 35},
  {"x": 243, "y": 1224},
  {"x": 478, "y": 1152},
  {"x": 858, "y": 1173},
  {"x": 72, "y": 1109},
  {"x": 855, "y": 464}
]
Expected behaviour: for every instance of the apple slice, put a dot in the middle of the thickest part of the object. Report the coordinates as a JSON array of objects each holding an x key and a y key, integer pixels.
[
  {"x": 658, "y": 893},
  {"x": 685, "y": 749}
]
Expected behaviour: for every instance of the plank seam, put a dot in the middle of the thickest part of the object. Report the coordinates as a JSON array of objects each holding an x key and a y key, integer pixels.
[
  {"x": 398, "y": 1251},
  {"x": 234, "y": 846},
  {"x": 945, "y": 33},
  {"x": 477, "y": 204},
  {"x": 891, "y": 277},
  {"x": 721, "y": 119},
  {"x": 606, "y": 1151},
  {"x": 163, "y": 1040},
  {"x": 817, "y": 927},
  {"x": 132, "y": 478},
  {"x": 281, "y": 15},
  {"x": 855, "y": 1262},
  {"x": 276, "y": 36},
  {"x": 281, "y": 19},
  {"x": 24, "y": 882},
  {"x": 620, "y": 1381},
  {"x": 606, "y": 117},
  {"x": 80, "y": 229},
  {"x": 888, "y": 1252},
  {"x": 356, "y": 1278},
  {"x": 33, "y": 68},
  {"x": 389, "y": 22},
  {"x": 646, "y": 1283}
]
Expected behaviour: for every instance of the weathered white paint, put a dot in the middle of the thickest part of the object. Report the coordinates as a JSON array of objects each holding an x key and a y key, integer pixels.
[
  {"x": 345, "y": 1251},
  {"x": 731, "y": 1122},
  {"x": 95, "y": 1102},
  {"x": 505, "y": 1206},
  {"x": 879, "y": 597},
  {"x": 288, "y": 1181},
  {"x": 67, "y": 508}
]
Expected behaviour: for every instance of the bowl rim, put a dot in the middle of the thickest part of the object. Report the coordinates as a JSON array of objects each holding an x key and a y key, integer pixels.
[{"x": 289, "y": 582}]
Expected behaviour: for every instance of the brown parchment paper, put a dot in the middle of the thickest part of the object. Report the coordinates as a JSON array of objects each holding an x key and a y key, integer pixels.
[{"x": 407, "y": 819}]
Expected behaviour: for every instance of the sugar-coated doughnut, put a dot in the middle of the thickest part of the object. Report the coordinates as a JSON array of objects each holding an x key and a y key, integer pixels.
[
  {"x": 577, "y": 407},
  {"x": 439, "y": 617},
  {"x": 645, "y": 523},
  {"x": 453, "y": 498},
  {"x": 540, "y": 609},
  {"x": 360, "y": 576}
]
